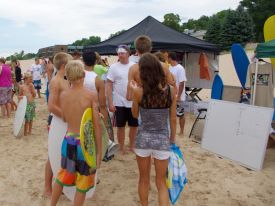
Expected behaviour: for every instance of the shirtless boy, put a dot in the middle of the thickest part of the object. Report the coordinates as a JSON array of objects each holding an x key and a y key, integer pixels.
[
  {"x": 27, "y": 89},
  {"x": 74, "y": 169},
  {"x": 57, "y": 85}
]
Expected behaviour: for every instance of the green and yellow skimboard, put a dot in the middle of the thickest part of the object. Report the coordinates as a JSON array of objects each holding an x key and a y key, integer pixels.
[{"x": 87, "y": 138}]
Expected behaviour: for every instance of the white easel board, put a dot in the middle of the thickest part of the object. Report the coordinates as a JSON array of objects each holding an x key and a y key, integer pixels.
[{"x": 238, "y": 132}]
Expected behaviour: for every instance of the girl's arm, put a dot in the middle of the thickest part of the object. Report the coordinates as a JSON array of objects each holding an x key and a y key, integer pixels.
[
  {"x": 102, "y": 98},
  {"x": 137, "y": 94}
]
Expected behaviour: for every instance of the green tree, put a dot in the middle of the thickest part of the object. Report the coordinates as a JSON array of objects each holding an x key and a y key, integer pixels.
[
  {"x": 190, "y": 24},
  {"x": 202, "y": 23},
  {"x": 237, "y": 28},
  {"x": 16, "y": 56},
  {"x": 21, "y": 56},
  {"x": 85, "y": 42},
  {"x": 221, "y": 15},
  {"x": 259, "y": 10},
  {"x": 173, "y": 21},
  {"x": 94, "y": 40},
  {"x": 213, "y": 33},
  {"x": 117, "y": 33},
  {"x": 29, "y": 56}
]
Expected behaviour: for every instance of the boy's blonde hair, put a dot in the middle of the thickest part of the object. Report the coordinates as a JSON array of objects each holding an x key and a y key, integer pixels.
[
  {"x": 61, "y": 58},
  {"x": 74, "y": 70},
  {"x": 27, "y": 75}
]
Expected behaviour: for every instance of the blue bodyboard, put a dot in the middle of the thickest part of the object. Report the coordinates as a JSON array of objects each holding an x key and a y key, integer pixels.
[
  {"x": 217, "y": 88},
  {"x": 240, "y": 61}
]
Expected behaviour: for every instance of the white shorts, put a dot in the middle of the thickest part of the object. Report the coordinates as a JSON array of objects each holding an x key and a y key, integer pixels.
[{"x": 157, "y": 154}]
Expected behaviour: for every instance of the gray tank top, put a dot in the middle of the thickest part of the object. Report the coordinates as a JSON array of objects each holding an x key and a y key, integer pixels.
[{"x": 153, "y": 133}]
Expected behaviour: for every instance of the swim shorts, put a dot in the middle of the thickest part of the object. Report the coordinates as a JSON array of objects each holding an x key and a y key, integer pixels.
[
  {"x": 74, "y": 169},
  {"x": 30, "y": 111}
]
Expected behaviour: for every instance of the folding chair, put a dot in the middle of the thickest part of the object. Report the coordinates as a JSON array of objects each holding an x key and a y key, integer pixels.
[
  {"x": 216, "y": 93},
  {"x": 193, "y": 94}
]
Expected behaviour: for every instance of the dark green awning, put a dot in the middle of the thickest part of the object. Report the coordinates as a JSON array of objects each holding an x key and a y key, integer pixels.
[{"x": 266, "y": 50}]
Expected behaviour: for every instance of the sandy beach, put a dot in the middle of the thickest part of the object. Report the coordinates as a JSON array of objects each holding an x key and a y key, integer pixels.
[{"x": 212, "y": 181}]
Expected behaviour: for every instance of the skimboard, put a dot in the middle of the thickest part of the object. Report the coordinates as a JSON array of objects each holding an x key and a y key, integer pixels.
[
  {"x": 111, "y": 147},
  {"x": 269, "y": 32},
  {"x": 87, "y": 138},
  {"x": 57, "y": 132},
  {"x": 241, "y": 62},
  {"x": 19, "y": 117},
  {"x": 105, "y": 137},
  {"x": 217, "y": 88},
  {"x": 110, "y": 128}
]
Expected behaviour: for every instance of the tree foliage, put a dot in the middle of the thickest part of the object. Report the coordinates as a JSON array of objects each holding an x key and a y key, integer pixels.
[
  {"x": 117, "y": 33},
  {"x": 85, "y": 42},
  {"x": 237, "y": 28},
  {"x": 173, "y": 21},
  {"x": 213, "y": 33},
  {"x": 200, "y": 24},
  {"x": 21, "y": 56},
  {"x": 259, "y": 10}
]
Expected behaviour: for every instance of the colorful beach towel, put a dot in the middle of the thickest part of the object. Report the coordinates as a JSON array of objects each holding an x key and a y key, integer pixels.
[{"x": 176, "y": 174}]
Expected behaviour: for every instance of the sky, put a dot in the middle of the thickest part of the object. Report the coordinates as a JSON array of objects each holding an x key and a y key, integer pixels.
[{"x": 32, "y": 24}]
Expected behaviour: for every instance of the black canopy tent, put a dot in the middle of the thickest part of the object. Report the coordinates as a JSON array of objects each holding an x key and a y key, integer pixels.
[{"x": 163, "y": 38}]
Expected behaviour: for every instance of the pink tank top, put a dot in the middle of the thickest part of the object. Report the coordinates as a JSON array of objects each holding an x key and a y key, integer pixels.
[{"x": 5, "y": 76}]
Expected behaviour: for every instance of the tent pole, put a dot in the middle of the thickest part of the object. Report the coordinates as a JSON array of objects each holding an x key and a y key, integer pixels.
[
  {"x": 185, "y": 57},
  {"x": 255, "y": 82}
]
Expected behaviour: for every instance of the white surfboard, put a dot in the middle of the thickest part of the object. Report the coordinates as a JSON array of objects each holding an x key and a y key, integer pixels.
[
  {"x": 57, "y": 132},
  {"x": 19, "y": 117}
]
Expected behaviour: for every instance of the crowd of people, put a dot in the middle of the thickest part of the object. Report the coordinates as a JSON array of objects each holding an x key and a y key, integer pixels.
[{"x": 146, "y": 93}]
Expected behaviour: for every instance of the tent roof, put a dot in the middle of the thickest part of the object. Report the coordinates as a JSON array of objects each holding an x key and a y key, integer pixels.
[
  {"x": 163, "y": 38},
  {"x": 266, "y": 50}
]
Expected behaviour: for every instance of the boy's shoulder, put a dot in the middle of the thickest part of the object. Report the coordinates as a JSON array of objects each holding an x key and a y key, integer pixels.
[
  {"x": 134, "y": 69},
  {"x": 88, "y": 92},
  {"x": 22, "y": 86},
  {"x": 31, "y": 84},
  {"x": 57, "y": 80},
  {"x": 90, "y": 95}
]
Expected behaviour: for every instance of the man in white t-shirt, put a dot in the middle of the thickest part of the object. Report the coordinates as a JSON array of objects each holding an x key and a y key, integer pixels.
[
  {"x": 117, "y": 81},
  {"x": 179, "y": 74},
  {"x": 36, "y": 70}
]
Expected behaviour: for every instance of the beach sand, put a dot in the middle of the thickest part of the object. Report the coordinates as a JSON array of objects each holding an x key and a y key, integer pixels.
[{"x": 212, "y": 181}]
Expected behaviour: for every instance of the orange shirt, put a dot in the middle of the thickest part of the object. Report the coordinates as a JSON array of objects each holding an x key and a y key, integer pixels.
[{"x": 204, "y": 66}]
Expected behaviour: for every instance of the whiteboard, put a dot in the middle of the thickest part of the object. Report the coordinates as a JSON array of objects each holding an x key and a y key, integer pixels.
[{"x": 238, "y": 132}]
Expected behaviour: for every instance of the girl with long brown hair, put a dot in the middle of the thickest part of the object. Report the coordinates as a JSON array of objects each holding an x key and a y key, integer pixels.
[{"x": 155, "y": 101}]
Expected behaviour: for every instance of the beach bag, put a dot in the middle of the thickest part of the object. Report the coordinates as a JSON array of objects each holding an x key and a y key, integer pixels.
[{"x": 176, "y": 174}]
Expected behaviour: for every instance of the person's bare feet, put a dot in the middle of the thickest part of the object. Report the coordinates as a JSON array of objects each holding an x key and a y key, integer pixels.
[
  {"x": 47, "y": 193},
  {"x": 180, "y": 133},
  {"x": 131, "y": 149},
  {"x": 122, "y": 151}
]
